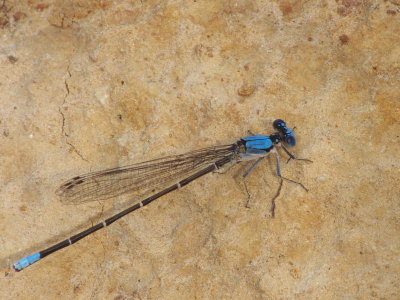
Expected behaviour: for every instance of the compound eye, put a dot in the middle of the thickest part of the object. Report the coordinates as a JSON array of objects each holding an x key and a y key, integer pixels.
[
  {"x": 290, "y": 140},
  {"x": 278, "y": 124}
]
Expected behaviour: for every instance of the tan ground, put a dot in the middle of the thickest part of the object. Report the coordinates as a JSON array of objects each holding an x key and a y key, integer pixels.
[{"x": 86, "y": 85}]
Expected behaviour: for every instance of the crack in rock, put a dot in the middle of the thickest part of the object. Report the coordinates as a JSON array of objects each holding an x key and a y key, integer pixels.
[{"x": 63, "y": 131}]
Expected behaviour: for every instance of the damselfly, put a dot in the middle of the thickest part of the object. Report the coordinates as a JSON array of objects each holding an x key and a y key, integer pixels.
[{"x": 166, "y": 174}]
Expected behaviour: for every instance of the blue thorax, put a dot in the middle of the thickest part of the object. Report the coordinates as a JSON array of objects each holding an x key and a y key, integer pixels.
[{"x": 259, "y": 142}]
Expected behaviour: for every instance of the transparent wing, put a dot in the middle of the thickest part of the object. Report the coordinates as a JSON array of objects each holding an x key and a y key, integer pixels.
[{"x": 137, "y": 177}]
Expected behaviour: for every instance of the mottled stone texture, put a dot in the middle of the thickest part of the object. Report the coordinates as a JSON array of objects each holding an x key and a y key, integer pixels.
[{"x": 87, "y": 85}]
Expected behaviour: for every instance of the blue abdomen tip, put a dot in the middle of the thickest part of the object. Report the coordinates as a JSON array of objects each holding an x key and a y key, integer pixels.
[{"x": 26, "y": 261}]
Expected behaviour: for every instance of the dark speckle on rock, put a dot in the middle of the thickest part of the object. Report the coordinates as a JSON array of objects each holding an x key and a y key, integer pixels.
[
  {"x": 12, "y": 59},
  {"x": 344, "y": 39}
]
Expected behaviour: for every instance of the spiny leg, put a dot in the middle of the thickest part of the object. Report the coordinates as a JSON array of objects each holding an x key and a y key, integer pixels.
[
  {"x": 292, "y": 156},
  {"x": 244, "y": 179},
  {"x": 299, "y": 183},
  {"x": 254, "y": 164},
  {"x": 247, "y": 192},
  {"x": 278, "y": 192},
  {"x": 252, "y": 167}
]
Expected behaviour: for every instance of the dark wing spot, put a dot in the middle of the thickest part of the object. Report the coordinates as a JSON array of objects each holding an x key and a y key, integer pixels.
[
  {"x": 67, "y": 184},
  {"x": 71, "y": 184}
]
